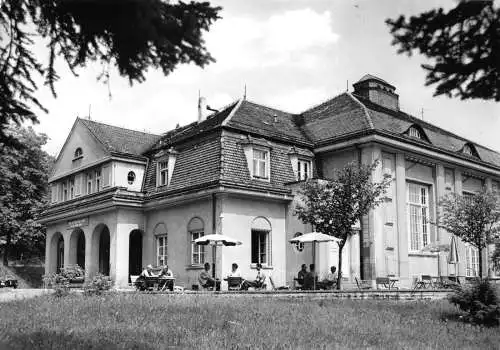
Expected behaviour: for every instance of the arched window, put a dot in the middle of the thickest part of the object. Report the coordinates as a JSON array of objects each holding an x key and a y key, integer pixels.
[
  {"x": 414, "y": 132},
  {"x": 299, "y": 247},
  {"x": 78, "y": 152},
  {"x": 261, "y": 241},
  {"x": 196, "y": 230},
  {"x": 130, "y": 177},
  {"x": 160, "y": 233}
]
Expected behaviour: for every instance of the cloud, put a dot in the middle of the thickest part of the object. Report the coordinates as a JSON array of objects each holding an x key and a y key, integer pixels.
[
  {"x": 282, "y": 39},
  {"x": 298, "y": 100}
]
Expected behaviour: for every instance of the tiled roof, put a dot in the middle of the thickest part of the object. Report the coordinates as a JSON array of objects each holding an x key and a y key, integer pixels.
[
  {"x": 121, "y": 140},
  {"x": 268, "y": 122},
  {"x": 397, "y": 122},
  {"x": 338, "y": 116}
]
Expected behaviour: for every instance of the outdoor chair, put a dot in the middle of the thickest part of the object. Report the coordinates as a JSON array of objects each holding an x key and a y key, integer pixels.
[
  {"x": 363, "y": 284},
  {"x": 234, "y": 283},
  {"x": 424, "y": 282},
  {"x": 385, "y": 282}
]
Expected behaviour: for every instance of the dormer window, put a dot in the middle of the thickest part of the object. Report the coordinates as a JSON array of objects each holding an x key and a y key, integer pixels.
[
  {"x": 162, "y": 173},
  {"x": 414, "y": 132},
  {"x": 303, "y": 169},
  {"x": 260, "y": 163},
  {"x": 467, "y": 150},
  {"x": 78, "y": 153}
]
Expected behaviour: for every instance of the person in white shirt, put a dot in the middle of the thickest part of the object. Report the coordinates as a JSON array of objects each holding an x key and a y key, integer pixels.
[
  {"x": 329, "y": 279},
  {"x": 234, "y": 271},
  {"x": 259, "y": 279},
  {"x": 148, "y": 271}
]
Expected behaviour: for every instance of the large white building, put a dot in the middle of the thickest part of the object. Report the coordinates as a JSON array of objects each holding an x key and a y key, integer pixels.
[{"x": 122, "y": 199}]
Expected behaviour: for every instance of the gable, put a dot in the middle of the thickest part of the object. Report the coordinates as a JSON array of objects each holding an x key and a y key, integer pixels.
[{"x": 79, "y": 137}]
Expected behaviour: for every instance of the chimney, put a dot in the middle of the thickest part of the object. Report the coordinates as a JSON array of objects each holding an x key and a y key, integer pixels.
[
  {"x": 202, "y": 108},
  {"x": 377, "y": 91}
]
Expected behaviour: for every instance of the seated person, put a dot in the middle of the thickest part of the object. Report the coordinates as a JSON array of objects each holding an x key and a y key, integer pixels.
[
  {"x": 166, "y": 272},
  {"x": 206, "y": 281},
  {"x": 302, "y": 273},
  {"x": 234, "y": 271},
  {"x": 329, "y": 279},
  {"x": 147, "y": 272},
  {"x": 259, "y": 279},
  {"x": 310, "y": 278}
]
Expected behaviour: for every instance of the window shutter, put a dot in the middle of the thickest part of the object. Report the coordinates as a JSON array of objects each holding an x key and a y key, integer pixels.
[{"x": 106, "y": 176}]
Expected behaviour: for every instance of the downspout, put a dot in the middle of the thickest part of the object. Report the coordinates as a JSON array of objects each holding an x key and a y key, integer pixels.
[
  {"x": 214, "y": 228},
  {"x": 361, "y": 246}
]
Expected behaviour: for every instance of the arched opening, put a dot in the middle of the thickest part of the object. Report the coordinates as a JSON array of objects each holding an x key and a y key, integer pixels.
[
  {"x": 261, "y": 241},
  {"x": 77, "y": 248},
  {"x": 100, "y": 253},
  {"x": 135, "y": 252},
  {"x": 104, "y": 250},
  {"x": 56, "y": 261}
]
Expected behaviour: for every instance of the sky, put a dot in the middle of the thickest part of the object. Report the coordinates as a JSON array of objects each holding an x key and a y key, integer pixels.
[{"x": 290, "y": 54}]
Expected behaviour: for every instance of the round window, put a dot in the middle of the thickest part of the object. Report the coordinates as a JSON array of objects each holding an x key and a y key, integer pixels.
[
  {"x": 298, "y": 246},
  {"x": 131, "y": 177}
]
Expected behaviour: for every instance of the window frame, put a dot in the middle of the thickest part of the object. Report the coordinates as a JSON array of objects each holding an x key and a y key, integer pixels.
[
  {"x": 71, "y": 188},
  {"x": 266, "y": 252},
  {"x": 257, "y": 163},
  {"x": 78, "y": 153},
  {"x": 164, "y": 237},
  {"x": 131, "y": 172},
  {"x": 471, "y": 261},
  {"x": 415, "y": 133},
  {"x": 197, "y": 250},
  {"x": 420, "y": 238},
  {"x": 88, "y": 187},
  {"x": 307, "y": 172},
  {"x": 161, "y": 170}
]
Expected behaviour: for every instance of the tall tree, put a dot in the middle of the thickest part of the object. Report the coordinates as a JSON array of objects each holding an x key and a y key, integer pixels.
[
  {"x": 23, "y": 190},
  {"x": 473, "y": 219},
  {"x": 335, "y": 205},
  {"x": 462, "y": 44},
  {"x": 133, "y": 35}
]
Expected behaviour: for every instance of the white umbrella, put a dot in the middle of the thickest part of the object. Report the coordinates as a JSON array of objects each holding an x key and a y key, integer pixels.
[
  {"x": 216, "y": 240},
  {"x": 453, "y": 257},
  {"x": 313, "y": 237}
]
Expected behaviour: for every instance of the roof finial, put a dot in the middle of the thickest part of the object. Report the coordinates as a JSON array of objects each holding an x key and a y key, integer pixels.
[
  {"x": 89, "y": 111},
  {"x": 245, "y": 92},
  {"x": 422, "y": 113}
]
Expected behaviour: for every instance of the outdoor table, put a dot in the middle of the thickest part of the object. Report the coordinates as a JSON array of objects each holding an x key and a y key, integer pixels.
[
  {"x": 165, "y": 282},
  {"x": 392, "y": 282}
]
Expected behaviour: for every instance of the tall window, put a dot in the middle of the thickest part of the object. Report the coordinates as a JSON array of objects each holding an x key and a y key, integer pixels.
[
  {"x": 468, "y": 196},
  {"x": 89, "y": 182},
  {"x": 98, "y": 180},
  {"x": 160, "y": 233},
  {"x": 260, "y": 164},
  {"x": 161, "y": 250},
  {"x": 65, "y": 191},
  {"x": 303, "y": 170},
  {"x": 195, "y": 231},
  {"x": 261, "y": 241},
  {"x": 418, "y": 215},
  {"x": 72, "y": 188},
  {"x": 472, "y": 261},
  {"x": 162, "y": 173}
]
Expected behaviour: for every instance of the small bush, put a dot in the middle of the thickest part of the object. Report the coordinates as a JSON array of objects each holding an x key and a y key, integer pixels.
[
  {"x": 58, "y": 282},
  {"x": 480, "y": 302},
  {"x": 99, "y": 284},
  {"x": 73, "y": 273}
]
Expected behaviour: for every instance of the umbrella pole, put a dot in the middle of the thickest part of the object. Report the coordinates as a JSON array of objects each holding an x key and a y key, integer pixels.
[
  {"x": 314, "y": 262},
  {"x": 214, "y": 255}
]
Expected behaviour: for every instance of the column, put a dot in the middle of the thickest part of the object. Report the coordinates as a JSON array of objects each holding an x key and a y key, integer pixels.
[
  {"x": 90, "y": 263},
  {"x": 49, "y": 258},
  {"x": 67, "y": 247},
  {"x": 402, "y": 233},
  {"x": 441, "y": 234},
  {"x": 119, "y": 258}
]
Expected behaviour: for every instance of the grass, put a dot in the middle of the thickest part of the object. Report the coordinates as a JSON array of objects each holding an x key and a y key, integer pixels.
[{"x": 187, "y": 321}]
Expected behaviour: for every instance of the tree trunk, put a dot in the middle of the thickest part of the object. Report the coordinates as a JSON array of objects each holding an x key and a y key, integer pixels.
[
  {"x": 480, "y": 256},
  {"x": 6, "y": 250},
  {"x": 339, "y": 268}
]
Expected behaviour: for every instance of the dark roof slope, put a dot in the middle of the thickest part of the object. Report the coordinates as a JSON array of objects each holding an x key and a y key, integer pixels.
[
  {"x": 121, "y": 140},
  {"x": 338, "y": 116},
  {"x": 258, "y": 119},
  {"x": 397, "y": 122}
]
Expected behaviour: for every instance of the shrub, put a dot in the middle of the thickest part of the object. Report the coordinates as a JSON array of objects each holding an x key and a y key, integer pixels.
[
  {"x": 479, "y": 301},
  {"x": 58, "y": 282},
  {"x": 73, "y": 273},
  {"x": 98, "y": 285}
]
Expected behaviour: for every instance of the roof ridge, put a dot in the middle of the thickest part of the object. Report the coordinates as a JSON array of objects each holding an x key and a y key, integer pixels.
[
  {"x": 269, "y": 107},
  {"x": 365, "y": 110},
  {"x": 400, "y": 114},
  {"x": 328, "y": 99},
  {"x": 114, "y": 126},
  {"x": 236, "y": 105}
]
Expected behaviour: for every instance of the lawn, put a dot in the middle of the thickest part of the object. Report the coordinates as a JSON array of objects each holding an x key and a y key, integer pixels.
[{"x": 190, "y": 321}]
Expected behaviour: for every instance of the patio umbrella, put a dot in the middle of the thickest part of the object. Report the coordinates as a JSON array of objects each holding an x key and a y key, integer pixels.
[
  {"x": 453, "y": 257},
  {"x": 314, "y": 237},
  {"x": 216, "y": 240}
]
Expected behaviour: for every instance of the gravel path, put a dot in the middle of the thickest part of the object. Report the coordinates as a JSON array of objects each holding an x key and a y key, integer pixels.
[{"x": 9, "y": 294}]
